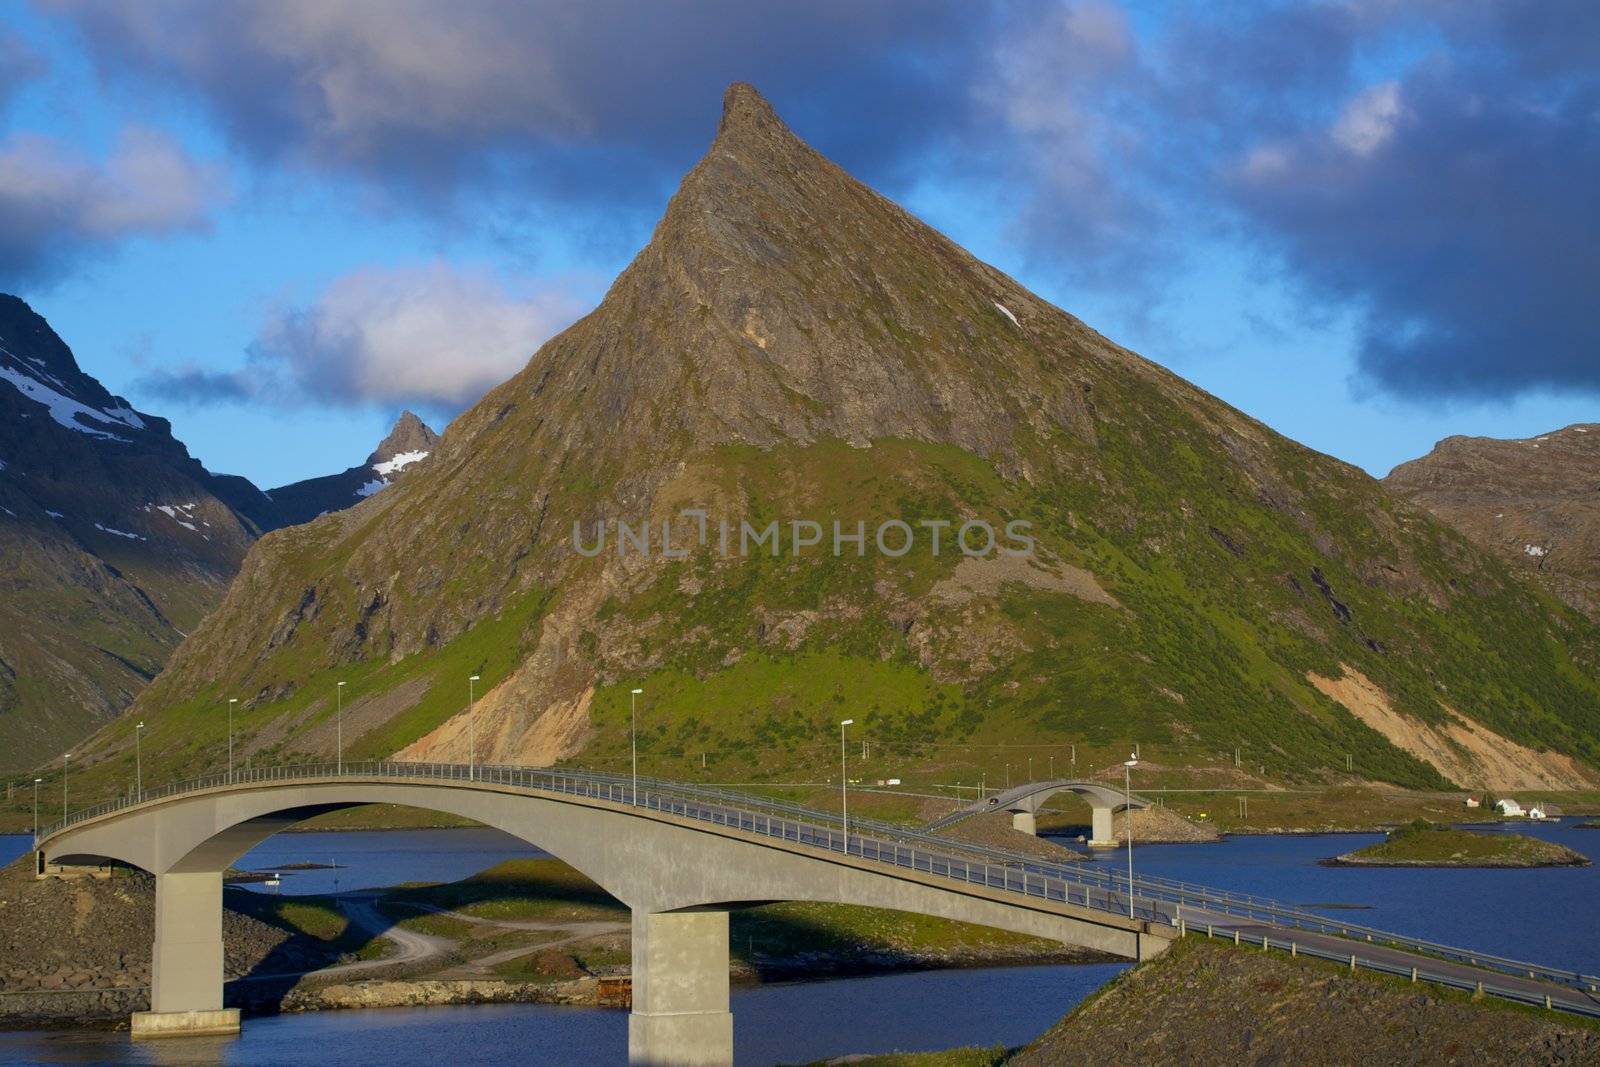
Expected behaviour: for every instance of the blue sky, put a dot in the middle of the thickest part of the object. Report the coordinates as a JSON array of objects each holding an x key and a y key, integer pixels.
[{"x": 1369, "y": 225}]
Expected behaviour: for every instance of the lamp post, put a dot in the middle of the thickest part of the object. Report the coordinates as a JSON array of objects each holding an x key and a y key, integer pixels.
[
  {"x": 472, "y": 728},
  {"x": 65, "y": 756},
  {"x": 844, "y": 786},
  {"x": 633, "y": 740},
  {"x": 138, "y": 760},
  {"x": 231, "y": 702},
  {"x": 1030, "y": 768},
  {"x": 1127, "y": 807},
  {"x": 36, "y": 782},
  {"x": 338, "y": 728},
  {"x": 1052, "y": 766}
]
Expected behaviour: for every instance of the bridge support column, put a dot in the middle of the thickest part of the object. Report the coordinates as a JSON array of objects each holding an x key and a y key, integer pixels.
[
  {"x": 186, "y": 966},
  {"x": 1025, "y": 821},
  {"x": 1101, "y": 835},
  {"x": 680, "y": 990}
]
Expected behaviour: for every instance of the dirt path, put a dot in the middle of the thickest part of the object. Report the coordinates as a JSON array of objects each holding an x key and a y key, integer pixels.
[
  {"x": 484, "y": 966},
  {"x": 412, "y": 946}
]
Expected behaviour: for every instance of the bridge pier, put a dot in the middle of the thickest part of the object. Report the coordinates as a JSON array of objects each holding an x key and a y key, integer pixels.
[
  {"x": 1025, "y": 821},
  {"x": 1101, "y": 834},
  {"x": 680, "y": 990},
  {"x": 186, "y": 963}
]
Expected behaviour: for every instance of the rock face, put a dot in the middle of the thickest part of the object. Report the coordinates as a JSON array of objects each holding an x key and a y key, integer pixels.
[
  {"x": 792, "y": 348},
  {"x": 1535, "y": 503},
  {"x": 95, "y": 934},
  {"x": 409, "y": 443}
]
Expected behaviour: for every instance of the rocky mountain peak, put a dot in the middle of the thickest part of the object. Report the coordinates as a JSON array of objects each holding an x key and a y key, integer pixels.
[
  {"x": 745, "y": 109},
  {"x": 409, "y": 435}
]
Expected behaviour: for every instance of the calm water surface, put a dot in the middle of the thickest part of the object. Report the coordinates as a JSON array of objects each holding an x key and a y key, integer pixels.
[
  {"x": 1542, "y": 915},
  {"x": 1545, "y": 915}
]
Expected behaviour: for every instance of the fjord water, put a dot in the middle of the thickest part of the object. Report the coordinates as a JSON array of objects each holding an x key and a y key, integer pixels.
[{"x": 1542, "y": 915}]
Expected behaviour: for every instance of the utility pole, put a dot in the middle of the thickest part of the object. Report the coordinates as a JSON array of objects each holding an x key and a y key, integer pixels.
[
  {"x": 338, "y": 725},
  {"x": 844, "y": 787},
  {"x": 1127, "y": 808},
  {"x": 472, "y": 729},
  {"x": 633, "y": 740}
]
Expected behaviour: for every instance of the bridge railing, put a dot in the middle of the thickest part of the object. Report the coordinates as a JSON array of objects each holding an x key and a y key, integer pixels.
[
  {"x": 1420, "y": 972},
  {"x": 1089, "y": 885}
]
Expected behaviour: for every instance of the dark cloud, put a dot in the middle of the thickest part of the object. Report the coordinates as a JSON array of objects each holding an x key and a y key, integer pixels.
[
  {"x": 1448, "y": 197},
  {"x": 19, "y": 65},
  {"x": 1456, "y": 205},
  {"x": 591, "y": 102}
]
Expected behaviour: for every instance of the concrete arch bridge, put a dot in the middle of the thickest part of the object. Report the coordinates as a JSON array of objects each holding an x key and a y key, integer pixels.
[
  {"x": 679, "y": 856},
  {"x": 1024, "y": 802}
]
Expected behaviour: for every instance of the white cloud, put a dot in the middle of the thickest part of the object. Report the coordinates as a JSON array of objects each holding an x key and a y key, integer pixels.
[
  {"x": 148, "y": 183},
  {"x": 1367, "y": 122},
  {"x": 433, "y": 334}
]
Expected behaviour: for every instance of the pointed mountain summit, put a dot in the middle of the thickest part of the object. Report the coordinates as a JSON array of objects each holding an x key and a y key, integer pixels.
[
  {"x": 410, "y": 437},
  {"x": 408, "y": 443},
  {"x": 794, "y": 355}
]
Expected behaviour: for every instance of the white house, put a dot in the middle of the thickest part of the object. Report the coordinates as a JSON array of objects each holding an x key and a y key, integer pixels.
[{"x": 1508, "y": 807}]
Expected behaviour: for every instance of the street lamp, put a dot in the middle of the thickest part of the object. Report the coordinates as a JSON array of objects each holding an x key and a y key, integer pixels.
[
  {"x": 1052, "y": 766},
  {"x": 231, "y": 702},
  {"x": 844, "y": 786},
  {"x": 36, "y": 782},
  {"x": 138, "y": 760},
  {"x": 65, "y": 756},
  {"x": 1127, "y": 807},
  {"x": 338, "y": 727},
  {"x": 472, "y": 728},
  {"x": 633, "y": 740},
  {"x": 1030, "y": 768}
]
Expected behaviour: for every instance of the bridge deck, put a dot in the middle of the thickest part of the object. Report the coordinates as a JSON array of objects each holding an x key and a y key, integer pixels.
[{"x": 1078, "y": 890}]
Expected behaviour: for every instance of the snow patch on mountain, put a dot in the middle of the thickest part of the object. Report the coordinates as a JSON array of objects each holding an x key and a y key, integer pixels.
[
  {"x": 398, "y": 463},
  {"x": 371, "y": 487},
  {"x": 67, "y": 411},
  {"x": 120, "y": 533}
]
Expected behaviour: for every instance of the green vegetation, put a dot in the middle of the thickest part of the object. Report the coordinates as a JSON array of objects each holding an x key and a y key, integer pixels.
[
  {"x": 1423, "y": 844},
  {"x": 544, "y": 889},
  {"x": 314, "y": 917}
]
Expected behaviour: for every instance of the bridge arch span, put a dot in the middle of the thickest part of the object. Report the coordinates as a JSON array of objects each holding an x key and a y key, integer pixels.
[{"x": 678, "y": 874}]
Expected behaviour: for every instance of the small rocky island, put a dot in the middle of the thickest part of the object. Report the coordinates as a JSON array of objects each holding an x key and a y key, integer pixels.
[{"x": 1424, "y": 844}]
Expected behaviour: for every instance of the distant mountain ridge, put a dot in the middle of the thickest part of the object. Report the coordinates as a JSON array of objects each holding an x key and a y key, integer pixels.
[
  {"x": 1534, "y": 502},
  {"x": 114, "y": 541},
  {"x": 410, "y": 442}
]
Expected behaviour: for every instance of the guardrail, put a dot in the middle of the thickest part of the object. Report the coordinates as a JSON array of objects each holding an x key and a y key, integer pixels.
[
  {"x": 1415, "y": 973},
  {"x": 1155, "y": 899}
]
